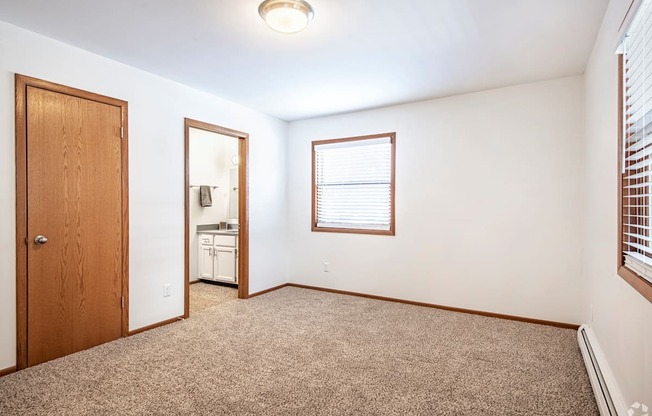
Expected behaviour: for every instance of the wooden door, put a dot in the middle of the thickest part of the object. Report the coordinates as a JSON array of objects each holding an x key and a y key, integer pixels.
[{"x": 74, "y": 198}]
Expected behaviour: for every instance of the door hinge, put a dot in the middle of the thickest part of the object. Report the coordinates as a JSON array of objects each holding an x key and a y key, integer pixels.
[
  {"x": 122, "y": 132},
  {"x": 122, "y": 302}
]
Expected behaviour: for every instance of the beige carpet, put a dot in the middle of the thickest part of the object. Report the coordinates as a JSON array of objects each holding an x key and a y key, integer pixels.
[
  {"x": 302, "y": 352},
  {"x": 207, "y": 295}
]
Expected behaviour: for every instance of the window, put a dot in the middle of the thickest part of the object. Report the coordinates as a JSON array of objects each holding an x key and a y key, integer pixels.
[
  {"x": 353, "y": 184},
  {"x": 635, "y": 132}
]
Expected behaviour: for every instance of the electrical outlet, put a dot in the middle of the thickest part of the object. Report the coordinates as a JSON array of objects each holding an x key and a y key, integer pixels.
[
  {"x": 326, "y": 265},
  {"x": 166, "y": 290}
]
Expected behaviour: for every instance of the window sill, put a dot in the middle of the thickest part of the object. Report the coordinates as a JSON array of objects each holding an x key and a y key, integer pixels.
[
  {"x": 637, "y": 282},
  {"x": 352, "y": 231}
]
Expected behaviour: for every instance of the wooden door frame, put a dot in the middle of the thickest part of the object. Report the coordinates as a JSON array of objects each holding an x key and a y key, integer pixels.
[
  {"x": 243, "y": 205},
  {"x": 22, "y": 82}
]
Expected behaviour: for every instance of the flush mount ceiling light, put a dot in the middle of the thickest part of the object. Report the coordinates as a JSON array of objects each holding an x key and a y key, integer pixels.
[{"x": 286, "y": 16}]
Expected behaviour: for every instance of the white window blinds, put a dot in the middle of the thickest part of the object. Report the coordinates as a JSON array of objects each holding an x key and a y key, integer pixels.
[
  {"x": 353, "y": 183},
  {"x": 637, "y": 143}
]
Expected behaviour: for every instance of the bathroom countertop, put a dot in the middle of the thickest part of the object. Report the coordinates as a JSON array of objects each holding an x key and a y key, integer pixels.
[
  {"x": 218, "y": 232},
  {"x": 213, "y": 229}
]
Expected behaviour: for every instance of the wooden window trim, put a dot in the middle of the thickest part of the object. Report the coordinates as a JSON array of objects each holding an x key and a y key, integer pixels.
[
  {"x": 637, "y": 282},
  {"x": 392, "y": 227}
]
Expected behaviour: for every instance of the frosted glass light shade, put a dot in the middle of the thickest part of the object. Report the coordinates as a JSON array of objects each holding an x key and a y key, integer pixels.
[{"x": 286, "y": 16}]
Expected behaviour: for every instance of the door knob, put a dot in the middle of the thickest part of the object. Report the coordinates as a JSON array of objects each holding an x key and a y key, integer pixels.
[{"x": 40, "y": 239}]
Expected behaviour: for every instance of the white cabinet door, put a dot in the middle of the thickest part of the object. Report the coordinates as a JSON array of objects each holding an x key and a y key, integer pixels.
[
  {"x": 205, "y": 268},
  {"x": 225, "y": 264}
]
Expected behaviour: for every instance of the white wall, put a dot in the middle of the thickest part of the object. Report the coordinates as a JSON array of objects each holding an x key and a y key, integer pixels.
[
  {"x": 487, "y": 203},
  {"x": 210, "y": 164},
  {"x": 622, "y": 318},
  {"x": 491, "y": 190},
  {"x": 156, "y": 177}
]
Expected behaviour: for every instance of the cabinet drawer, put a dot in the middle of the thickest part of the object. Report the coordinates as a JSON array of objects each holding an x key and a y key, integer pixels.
[
  {"x": 206, "y": 239},
  {"x": 225, "y": 240}
]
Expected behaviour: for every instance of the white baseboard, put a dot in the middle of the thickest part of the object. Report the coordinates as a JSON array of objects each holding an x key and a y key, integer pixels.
[{"x": 607, "y": 394}]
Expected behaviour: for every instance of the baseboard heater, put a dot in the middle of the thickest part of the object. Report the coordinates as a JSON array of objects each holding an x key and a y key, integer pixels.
[{"x": 604, "y": 386}]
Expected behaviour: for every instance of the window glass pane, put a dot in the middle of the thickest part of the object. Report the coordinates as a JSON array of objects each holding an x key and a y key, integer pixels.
[
  {"x": 353, "y": 182},
  {"x": 637, "y": 143}
]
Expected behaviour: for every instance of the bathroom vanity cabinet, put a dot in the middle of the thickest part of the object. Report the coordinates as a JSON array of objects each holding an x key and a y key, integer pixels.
[{"x": 218, "y": 256}]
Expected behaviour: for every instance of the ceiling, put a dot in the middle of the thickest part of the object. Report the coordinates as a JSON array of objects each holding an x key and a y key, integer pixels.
[{"x": 355, "y": 54}]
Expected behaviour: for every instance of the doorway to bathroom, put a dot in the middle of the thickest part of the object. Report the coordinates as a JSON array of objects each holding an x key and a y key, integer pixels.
[{"x": 216, "y": 215}]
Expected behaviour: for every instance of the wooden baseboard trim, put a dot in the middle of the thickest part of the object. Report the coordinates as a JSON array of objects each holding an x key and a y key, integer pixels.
[
  {"x": 446, "y": 308},
  {"x": 7, "y": 371},
  {"x": 271, "y": 289},
  {"x": 192, "y": 282},
  {"x": 156, "y": 325}
]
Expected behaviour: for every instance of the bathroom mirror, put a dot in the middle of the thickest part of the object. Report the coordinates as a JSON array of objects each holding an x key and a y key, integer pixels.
[{"x": 233, "y": 194}]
